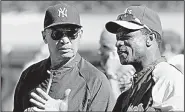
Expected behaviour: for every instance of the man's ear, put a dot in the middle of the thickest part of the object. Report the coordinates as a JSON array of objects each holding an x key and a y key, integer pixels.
[
  {"x": 44, "y": 37},
  {"x": 150, "y": 39}
]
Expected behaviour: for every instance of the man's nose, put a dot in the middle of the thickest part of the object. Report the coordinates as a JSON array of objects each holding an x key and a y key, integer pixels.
[
  {"x": 64, "y": 40},
  {"x": 120, "y": 43}
]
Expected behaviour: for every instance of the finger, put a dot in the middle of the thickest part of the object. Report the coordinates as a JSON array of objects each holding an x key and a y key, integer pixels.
[
  {"x": 132, "y": 68},
  {"x": 46, "y": 96},
  {"x": 30, "y": 109},
  {"x": 37, "y": 109},
  {"x": 66, "y": 94},
  {"x": 38, "y": 104},
  {"x": 48, "y": 72},
  {"x": 34, "y": 95},
  {"x": 135, "y": 75},
  {"x": 132, "y": 72}
]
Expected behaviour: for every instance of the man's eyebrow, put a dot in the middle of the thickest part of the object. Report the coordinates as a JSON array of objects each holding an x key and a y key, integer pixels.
[{"x": 124, "y": 35}]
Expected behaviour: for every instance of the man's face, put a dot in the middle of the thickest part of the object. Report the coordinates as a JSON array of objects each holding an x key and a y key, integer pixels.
[
  {"x": 62, "y": 42},
  {"x": 131, "y": 46}
]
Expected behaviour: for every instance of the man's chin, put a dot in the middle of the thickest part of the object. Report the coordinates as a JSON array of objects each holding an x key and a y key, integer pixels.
[
  {"x": 124, "y": 61},
  {"x": 67, "y": 55}
]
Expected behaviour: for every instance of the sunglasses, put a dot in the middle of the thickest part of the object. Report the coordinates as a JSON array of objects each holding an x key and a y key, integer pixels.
[
  {"x": 70, "y": 33},
  {"x": 131, "y": 18}
]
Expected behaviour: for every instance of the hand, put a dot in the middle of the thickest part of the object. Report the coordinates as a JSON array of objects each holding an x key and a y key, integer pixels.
[
  {"x": 48, "y": 103},
  {"x": 138, "y": 108},
  {"x": 112, "y": 64}
]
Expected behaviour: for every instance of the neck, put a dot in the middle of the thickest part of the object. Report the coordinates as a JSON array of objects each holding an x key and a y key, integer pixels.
[
  {"x": 58, "y": 62},
  {"x": 137, "y": 66},
  {"x": 148, "y": 59}
]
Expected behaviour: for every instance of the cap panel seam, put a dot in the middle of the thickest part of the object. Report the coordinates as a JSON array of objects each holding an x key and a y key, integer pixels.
[{"x": 143, "y": 14}]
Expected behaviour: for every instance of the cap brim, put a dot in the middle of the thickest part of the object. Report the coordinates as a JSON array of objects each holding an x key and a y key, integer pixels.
[
  {"x": 63, "y": 23},
  {"x": 113, "y": 26}
]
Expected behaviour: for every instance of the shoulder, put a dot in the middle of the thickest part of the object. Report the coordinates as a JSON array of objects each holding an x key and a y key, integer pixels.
[
  {"x": 169, "y": 86},
  {"x": 166, "y": 71},
  {"x": 89, "y": 71},
  {"x": 92, "y": 75},
  {"x": 33, "y": 68},
  {"x": 167, "y": 78},
  {"x": 178, "y": 61}
]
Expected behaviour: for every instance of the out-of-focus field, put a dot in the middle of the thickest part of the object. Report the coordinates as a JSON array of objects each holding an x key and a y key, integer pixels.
[
  {"x": 21, "y": 33},
  {"x": 21, "y": 39},
  {"x": 25, "y": 29}
]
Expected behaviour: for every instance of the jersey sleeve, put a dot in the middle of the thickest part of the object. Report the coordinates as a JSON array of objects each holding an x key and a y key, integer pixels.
[
  {"x": 168, "y": 91},
  {"x": 18, "y": 106}
]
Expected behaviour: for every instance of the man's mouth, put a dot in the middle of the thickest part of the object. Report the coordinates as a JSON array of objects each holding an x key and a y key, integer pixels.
[
  {"x": 123, "y": 53},
  {"x": 64, "y": 49}
]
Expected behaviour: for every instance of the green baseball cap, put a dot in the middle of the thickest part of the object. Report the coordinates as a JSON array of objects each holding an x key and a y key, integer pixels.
[{"x": 134, "y": 18}]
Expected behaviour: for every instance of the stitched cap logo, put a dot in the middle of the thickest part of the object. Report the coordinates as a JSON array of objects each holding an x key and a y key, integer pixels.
[
  {"x": 62, "y": 12},
  {"x": 129, "y": 11}
]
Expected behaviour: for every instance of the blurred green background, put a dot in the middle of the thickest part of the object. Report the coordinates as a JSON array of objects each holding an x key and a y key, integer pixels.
[
  {"x": 22, "y": 23},
  {"x": 92, "y": 6}
]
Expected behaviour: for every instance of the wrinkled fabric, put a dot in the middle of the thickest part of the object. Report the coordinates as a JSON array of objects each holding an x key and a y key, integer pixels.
[
  {"x": 90, "y": 90},
  {"x": 168, "y": 91},
  {"x": 141, "y": 96}
]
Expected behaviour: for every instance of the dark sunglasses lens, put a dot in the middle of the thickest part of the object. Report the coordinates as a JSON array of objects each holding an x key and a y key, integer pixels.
[
  {"x": 56, "y": 35},
  {"x": 72, "y": 34}
]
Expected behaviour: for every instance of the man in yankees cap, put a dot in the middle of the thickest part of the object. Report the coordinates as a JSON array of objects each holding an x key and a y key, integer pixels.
[
  {"x": 64, "y": 81},
  {"x": 157, "y": 86}
]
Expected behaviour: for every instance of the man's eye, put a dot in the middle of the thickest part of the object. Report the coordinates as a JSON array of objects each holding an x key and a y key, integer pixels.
[
  {"x": 117, "y": 37},
  {"x": 120, "y": 37},
  {"x": 123, "y": 37},
  {"x": 120, "y": 34}
]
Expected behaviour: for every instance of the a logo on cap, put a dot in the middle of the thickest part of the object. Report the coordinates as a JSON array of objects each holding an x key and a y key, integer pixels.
[
  {"x": 63, "y": 12},
  {"x": 129, "y": 11}
]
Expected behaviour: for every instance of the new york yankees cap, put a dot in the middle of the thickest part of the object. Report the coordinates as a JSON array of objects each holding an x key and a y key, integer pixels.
[
  {"x": 134, "y": 18},
  {"x": 61, "y": 14}
]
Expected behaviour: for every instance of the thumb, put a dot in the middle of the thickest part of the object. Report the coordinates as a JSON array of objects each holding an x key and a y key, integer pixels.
[{"x": 66, "y": 94}]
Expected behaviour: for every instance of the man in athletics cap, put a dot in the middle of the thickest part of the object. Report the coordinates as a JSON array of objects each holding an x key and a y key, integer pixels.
[{"x": 156, "y": 85}]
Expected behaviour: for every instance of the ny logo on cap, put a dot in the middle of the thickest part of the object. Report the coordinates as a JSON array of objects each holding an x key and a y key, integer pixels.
[{"x": 63, "y": 12}]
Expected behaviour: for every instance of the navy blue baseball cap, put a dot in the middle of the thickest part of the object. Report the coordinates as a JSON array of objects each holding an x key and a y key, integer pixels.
[
  {"x": 134, "y": 18},
  {"x": 61, "y": 14}
]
